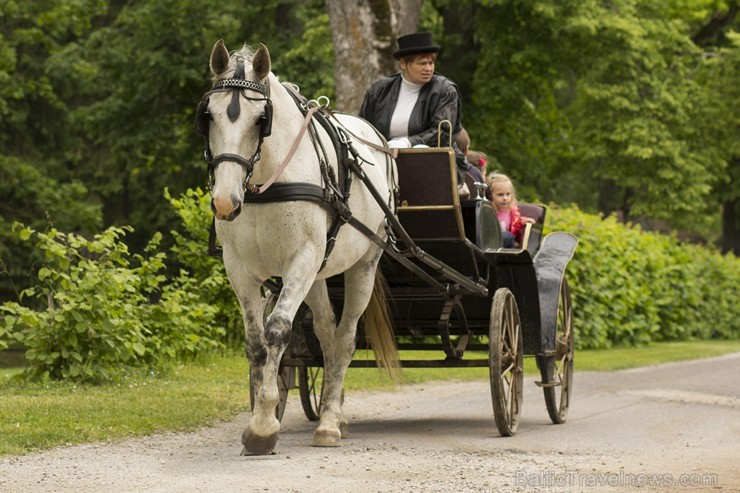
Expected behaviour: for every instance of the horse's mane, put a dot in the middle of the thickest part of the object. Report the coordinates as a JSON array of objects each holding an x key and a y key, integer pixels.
[
  {"x": 245, "y": 52},
  {"x": 248, "y": 54}
]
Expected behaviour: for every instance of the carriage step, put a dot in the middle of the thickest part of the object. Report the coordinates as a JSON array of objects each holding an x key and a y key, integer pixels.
[{"x": 548, "y": 385}]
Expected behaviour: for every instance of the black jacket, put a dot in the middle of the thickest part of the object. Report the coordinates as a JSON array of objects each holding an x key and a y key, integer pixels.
[{"x": 438, "y": 100}]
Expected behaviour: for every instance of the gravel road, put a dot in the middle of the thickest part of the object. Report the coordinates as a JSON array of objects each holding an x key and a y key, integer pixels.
[{"x": 672, "y": 427}]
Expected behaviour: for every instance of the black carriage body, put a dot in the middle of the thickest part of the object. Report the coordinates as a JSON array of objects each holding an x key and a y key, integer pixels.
[
  {"x": 454, "y": 290},
  {"x": 464, "y": 235}
]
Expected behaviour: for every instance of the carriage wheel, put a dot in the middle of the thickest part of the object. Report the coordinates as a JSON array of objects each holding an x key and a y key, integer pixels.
[
  {"x": 286, "y": 376},
  {"x": 558, "y": 374},
  {"x": 310, "y": 384},
  {"x": 506, "y": 358}
]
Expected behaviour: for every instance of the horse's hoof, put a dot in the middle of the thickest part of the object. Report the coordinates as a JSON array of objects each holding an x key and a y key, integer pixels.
[
  {"x": 326, "y": 439},
  {"x": 258, "y": 445},
  {"x": 344, "y": 429}
]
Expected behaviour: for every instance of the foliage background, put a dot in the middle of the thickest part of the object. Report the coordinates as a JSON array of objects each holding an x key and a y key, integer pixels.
[{"x": 622, "y": 106}]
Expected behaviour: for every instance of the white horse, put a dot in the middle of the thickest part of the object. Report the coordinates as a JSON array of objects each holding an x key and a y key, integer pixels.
[{"x": 251, "y": 121}]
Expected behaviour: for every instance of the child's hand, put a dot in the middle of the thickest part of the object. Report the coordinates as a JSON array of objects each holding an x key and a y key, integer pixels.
[{"x": 527, "y": 220}]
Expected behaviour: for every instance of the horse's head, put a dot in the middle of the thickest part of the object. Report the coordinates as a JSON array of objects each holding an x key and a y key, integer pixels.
[{"x": 236, "y": 117}]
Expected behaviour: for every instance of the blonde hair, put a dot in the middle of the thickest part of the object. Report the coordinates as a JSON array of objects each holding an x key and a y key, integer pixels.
[{"x": 498, "y": 178}]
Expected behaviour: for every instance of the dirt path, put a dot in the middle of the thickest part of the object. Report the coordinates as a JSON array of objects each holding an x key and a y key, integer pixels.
[{"x": 673, "y": 427}]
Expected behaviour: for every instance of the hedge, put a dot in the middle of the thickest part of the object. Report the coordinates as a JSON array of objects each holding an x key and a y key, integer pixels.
[
  {"x": 632, "y": 287},
  {"x": 100, "y": 309}
]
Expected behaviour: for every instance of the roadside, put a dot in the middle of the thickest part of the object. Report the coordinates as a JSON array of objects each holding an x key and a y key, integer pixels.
[{"x": 650, "y": 429}]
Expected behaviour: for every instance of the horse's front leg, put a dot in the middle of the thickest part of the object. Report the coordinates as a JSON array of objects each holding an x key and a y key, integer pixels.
[
  {"x": 265, "y": 349},
  {"x": 264, "y": 431}
]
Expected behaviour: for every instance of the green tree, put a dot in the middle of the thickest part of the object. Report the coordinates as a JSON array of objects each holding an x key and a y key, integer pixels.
[
  {"x": 98, "y": 98},
  {"x": 602, "y": 90},
  {"x": 38, "y": 182}
]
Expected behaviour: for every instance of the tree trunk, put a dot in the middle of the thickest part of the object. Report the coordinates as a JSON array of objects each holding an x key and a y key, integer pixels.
[
  {"x": 407, "y": 15},
  {"x": 364, "y": 37}
]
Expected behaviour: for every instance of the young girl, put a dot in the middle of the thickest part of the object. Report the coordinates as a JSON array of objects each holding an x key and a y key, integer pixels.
[{"x": 504, "y": 202}]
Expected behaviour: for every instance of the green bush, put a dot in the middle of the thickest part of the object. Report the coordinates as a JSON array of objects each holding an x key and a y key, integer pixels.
[
  {"x": 104, "y": 309},
  {"x": 632, "y": 287},
  {"x": 98, "y": 309},
  {"x": 208, "y": 275}
]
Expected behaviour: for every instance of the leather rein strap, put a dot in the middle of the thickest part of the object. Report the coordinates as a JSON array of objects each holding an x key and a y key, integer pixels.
[
  {"x": 258, "y": 189},
  {"x": 332, "y": 195},
  {"x": 391, "y": 151}
]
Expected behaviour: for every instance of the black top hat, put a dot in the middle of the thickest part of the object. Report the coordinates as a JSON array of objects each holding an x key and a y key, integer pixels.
[{"x": 411, "y": 44}]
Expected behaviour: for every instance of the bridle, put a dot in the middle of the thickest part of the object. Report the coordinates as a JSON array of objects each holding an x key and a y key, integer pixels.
[
  {"x": 334, "y": 194},
  {"x": 238, "y": 86}
]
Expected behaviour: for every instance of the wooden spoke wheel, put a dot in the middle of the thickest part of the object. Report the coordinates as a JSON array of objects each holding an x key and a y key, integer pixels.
[
  {"x": 310, "y": 384},
  {"x": 506, "y": 359},
  {"x": 558, "y": 369}
]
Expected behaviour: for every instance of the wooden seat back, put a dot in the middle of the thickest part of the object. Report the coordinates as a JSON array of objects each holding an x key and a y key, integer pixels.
[{"x": 429, "y": 203}]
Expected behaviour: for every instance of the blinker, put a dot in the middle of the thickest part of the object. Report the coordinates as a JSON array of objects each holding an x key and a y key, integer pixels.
[{"x": 266, "y": 120}]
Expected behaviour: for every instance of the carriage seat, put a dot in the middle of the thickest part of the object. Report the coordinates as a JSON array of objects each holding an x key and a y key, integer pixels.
[
  {"x": 533, "y": 232},
  {"x": 429, "y": 201},
  {"x": 475, "y": 192}
]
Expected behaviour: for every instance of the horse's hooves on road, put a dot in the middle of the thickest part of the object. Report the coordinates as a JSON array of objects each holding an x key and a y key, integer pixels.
[
  {"x": 258, "y": 445},
  {"x": 344, "y": 429},
  {"x": 326, "y": 439}
]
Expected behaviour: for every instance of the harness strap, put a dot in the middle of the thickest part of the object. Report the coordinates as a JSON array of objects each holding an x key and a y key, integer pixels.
[
  {"x": 213, "y": 249},
  {"x": 284, "y": 192},
  {"x": 262, "y": 188},
  {"x": 234, "y": 108},
  {"x": 391, "y": 151}
]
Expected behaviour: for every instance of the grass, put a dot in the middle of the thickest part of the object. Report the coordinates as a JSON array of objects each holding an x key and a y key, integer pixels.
[{"x": 39, "y": 416}]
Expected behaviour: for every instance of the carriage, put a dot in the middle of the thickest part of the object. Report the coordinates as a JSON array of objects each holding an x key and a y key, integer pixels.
[
  {"x": 457, "y": 291},
  {"x": 313, "y": 231}
]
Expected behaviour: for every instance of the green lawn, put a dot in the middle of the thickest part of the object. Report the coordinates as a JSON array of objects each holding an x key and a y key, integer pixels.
[{"x": 40, "y": 416}]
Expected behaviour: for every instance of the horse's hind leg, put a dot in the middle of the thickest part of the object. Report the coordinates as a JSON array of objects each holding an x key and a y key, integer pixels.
[
  {"x": 338, "y": 346},
  {"x": 325, "y": 328}
]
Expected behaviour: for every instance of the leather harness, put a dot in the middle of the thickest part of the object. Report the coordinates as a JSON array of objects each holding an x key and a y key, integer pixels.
[{"x": 336, "y": 190}]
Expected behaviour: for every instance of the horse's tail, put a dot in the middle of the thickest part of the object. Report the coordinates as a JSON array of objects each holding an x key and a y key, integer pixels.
[{"x": 379, "y": 331}]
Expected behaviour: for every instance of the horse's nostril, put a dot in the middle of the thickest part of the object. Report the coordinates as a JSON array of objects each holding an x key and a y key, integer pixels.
[{"x": 236, "y": 210}]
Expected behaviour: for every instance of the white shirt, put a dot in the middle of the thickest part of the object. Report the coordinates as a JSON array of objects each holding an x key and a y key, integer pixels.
[{"x": 407, "y": 97}]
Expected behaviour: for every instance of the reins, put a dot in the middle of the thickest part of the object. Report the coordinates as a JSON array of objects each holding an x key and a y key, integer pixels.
[
  {"x": 258, "y": 189},
  {"x": 391, "y": 151},
  {"x": 335, "y": 192}
]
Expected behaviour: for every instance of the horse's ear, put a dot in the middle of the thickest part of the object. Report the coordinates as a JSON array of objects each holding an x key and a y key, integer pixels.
[
  {"x": 261, "y": 64},
  {"x": 219, "y": 58}
]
